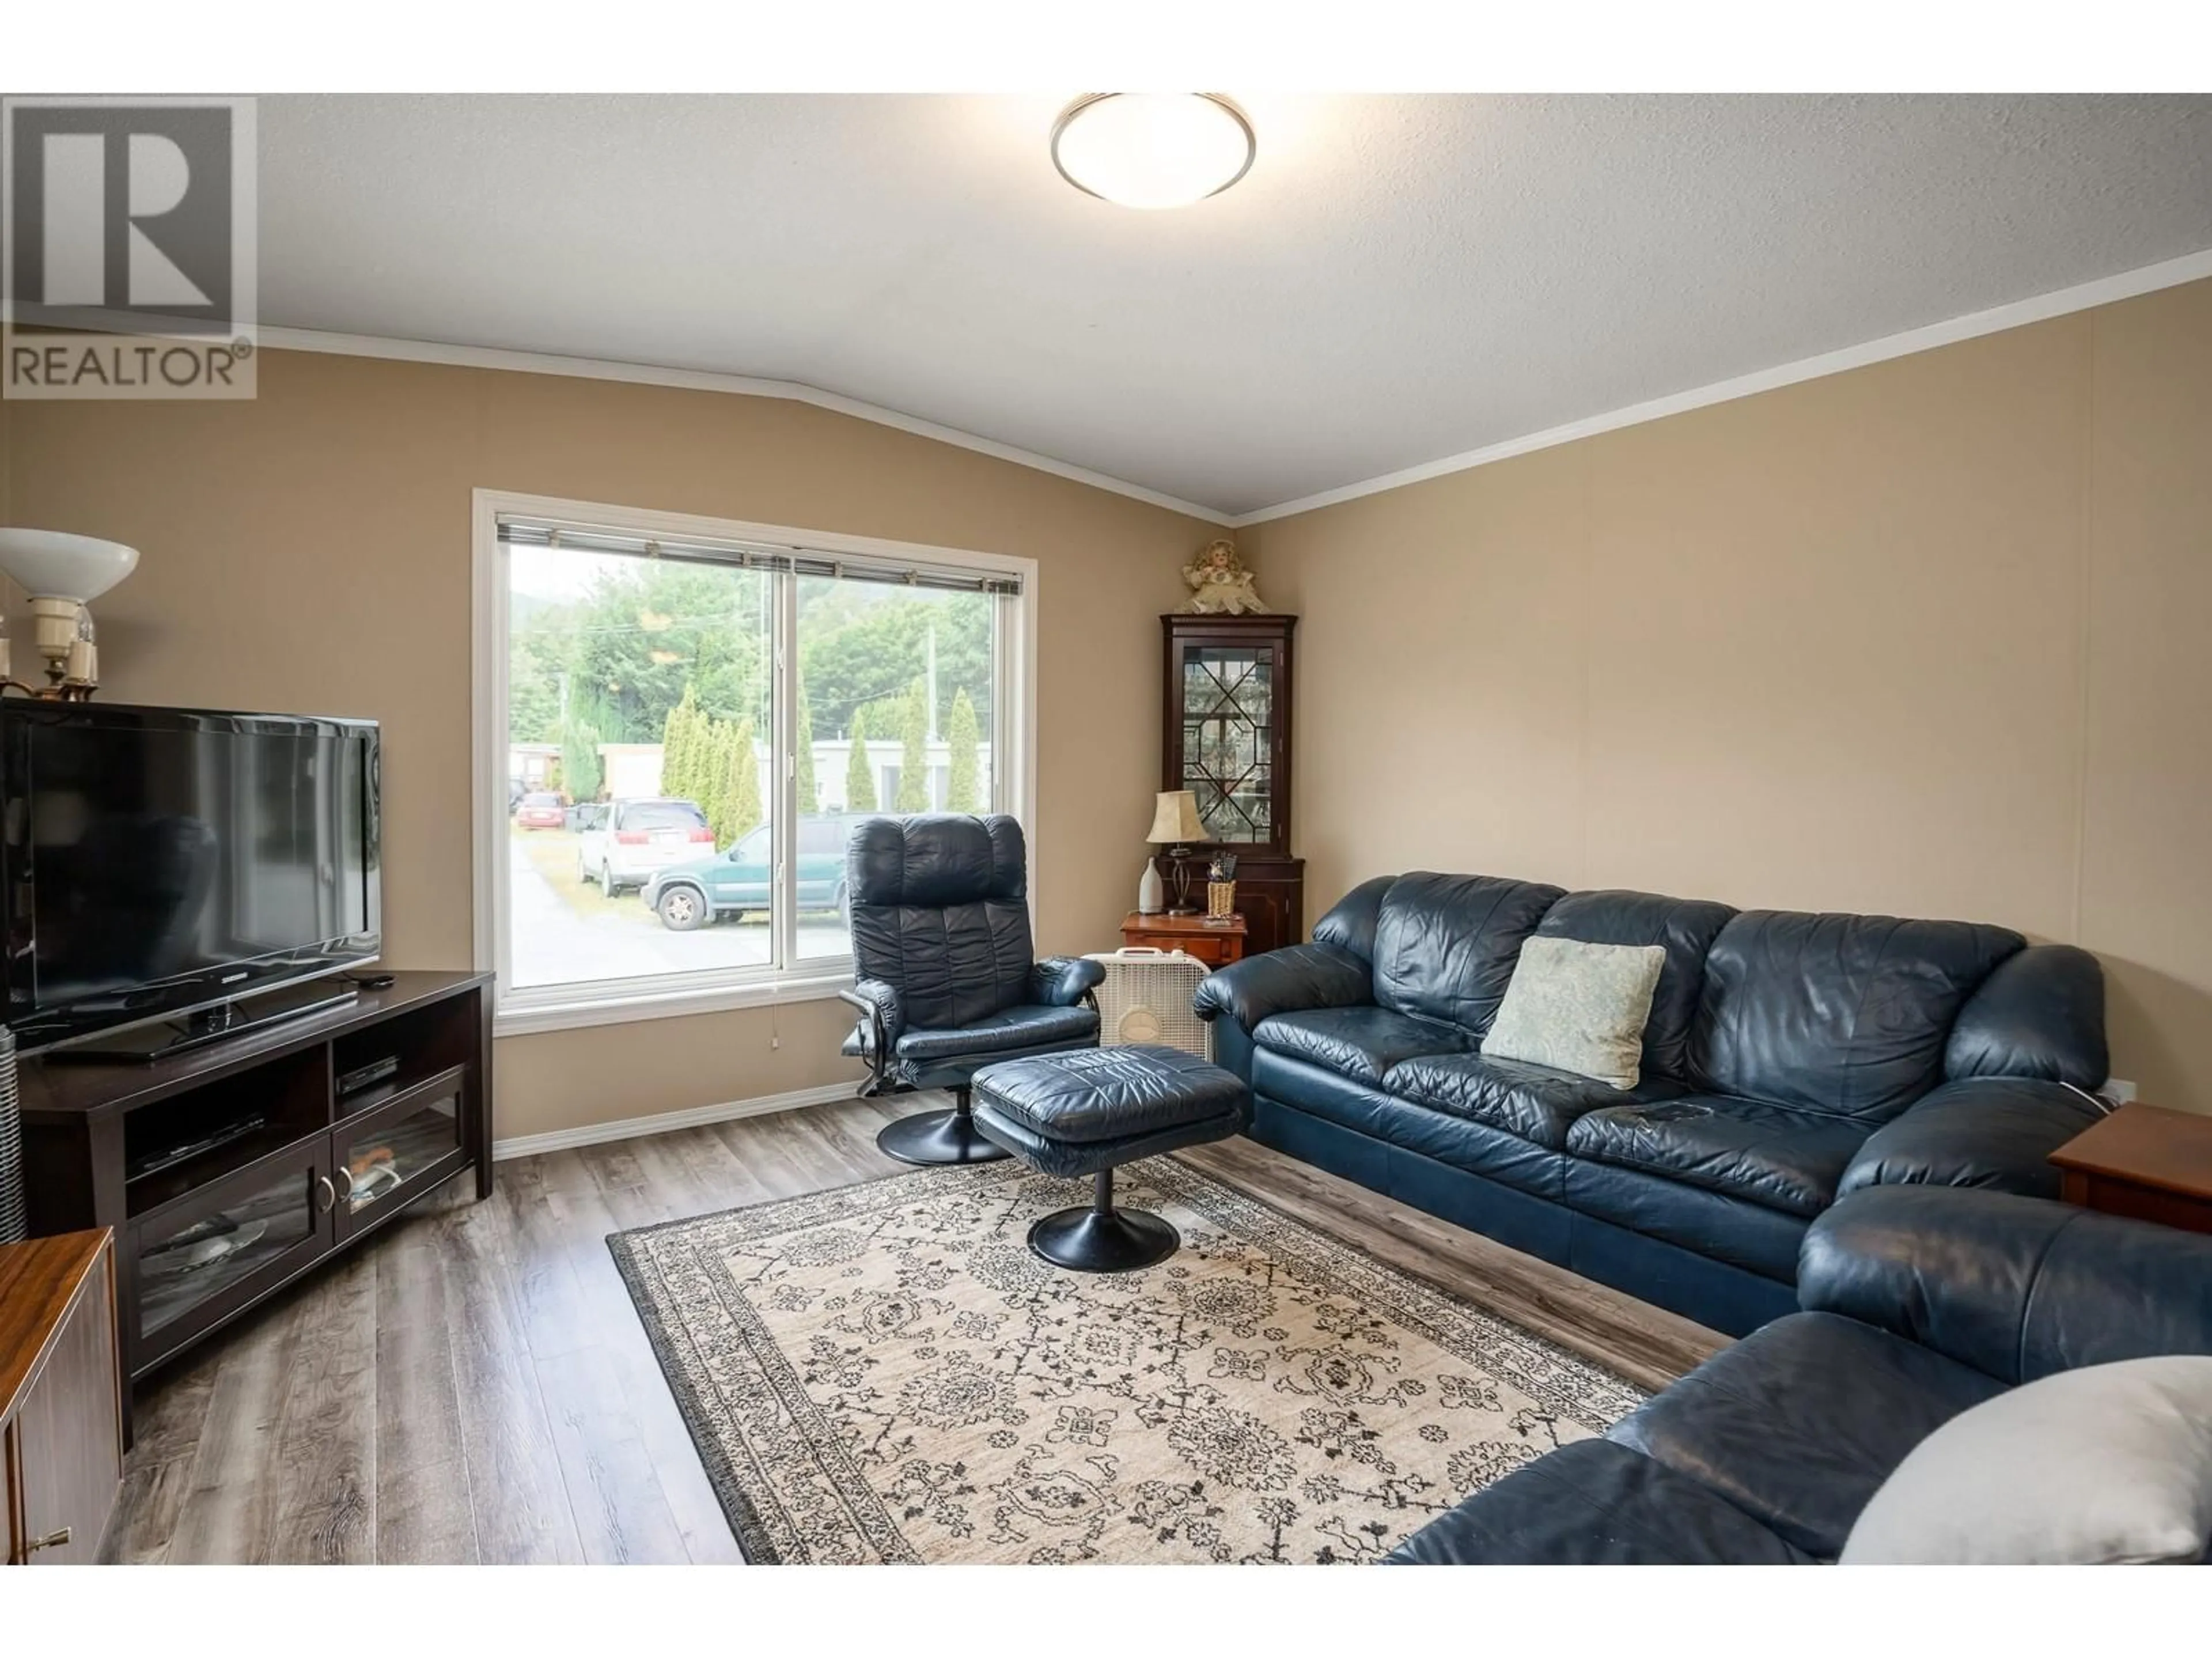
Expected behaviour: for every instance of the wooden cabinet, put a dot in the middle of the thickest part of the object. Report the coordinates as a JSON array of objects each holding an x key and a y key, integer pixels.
[
  {"x": 1225, "y": 737},
  {"x": 227, "y": 1172},
  {"x": 399, "y": 1144},
  {"x": 1215, "y": 944},
  {"x": 200, "y": 1258},
  {"x": 61, "y": 1398}
]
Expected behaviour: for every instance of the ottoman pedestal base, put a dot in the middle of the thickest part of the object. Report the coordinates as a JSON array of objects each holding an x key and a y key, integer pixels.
[{"x": 1103, "y": 1239}]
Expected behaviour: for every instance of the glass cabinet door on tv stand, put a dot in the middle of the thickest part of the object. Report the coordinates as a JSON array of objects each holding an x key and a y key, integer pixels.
[{"x": 1226, "y": 737}]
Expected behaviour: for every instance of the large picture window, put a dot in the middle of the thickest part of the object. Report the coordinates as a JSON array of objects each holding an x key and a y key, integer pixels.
[{"x": 681, "y": 719}]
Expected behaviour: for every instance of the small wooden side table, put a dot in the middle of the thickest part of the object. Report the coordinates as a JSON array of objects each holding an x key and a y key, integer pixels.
[
  {"x": 1216, "y": 944},
  {"x": 2148, "y": 1162}
]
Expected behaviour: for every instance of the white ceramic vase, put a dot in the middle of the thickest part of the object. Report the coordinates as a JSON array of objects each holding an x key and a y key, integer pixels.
[{"x": 1151, "y": 891}]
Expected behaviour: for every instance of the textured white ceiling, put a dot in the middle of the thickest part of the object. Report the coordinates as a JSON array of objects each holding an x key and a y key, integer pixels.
[{"x": 1398, "y": 279}]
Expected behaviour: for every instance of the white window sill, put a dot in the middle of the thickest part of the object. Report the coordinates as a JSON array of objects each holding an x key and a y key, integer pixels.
[{"x": 593, "y": 1005}]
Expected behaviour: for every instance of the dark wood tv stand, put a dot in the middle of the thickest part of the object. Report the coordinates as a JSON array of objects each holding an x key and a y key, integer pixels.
[{"x": 282, "y": 1173}]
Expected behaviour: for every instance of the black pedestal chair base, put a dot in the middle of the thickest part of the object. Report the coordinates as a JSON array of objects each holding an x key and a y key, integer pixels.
[
  {"x": 1101, "y": 1239},
  {"x": 1090, "y": 1111},
  {"x": 949, "y": 1137}
]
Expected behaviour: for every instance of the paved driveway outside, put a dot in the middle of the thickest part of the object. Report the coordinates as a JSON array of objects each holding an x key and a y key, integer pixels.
[{"x": 565, "y": 930}]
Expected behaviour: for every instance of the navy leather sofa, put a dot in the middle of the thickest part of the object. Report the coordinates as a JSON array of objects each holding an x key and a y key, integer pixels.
[
  {"x": 1919, "y": 1302},
  {"x": 1790, "y": 1058}
]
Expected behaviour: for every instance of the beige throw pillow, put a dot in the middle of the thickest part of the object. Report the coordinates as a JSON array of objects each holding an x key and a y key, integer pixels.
[
  {"x": 2107, "y": 1464},
  {"x": 1578, "y": 1007}
]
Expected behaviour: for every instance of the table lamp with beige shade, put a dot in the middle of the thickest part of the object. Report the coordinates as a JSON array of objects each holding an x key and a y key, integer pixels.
[{"x": 1175, "y": 825}]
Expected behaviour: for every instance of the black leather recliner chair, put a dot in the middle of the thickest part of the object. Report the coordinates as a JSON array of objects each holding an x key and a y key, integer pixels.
[{"x": 946, "y": 982}]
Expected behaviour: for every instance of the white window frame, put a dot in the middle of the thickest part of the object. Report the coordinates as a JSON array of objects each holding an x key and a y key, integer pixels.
[{"x": 553, "y": 1008}]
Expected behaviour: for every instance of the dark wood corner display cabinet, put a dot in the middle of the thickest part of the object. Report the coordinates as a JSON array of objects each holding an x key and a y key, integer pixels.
[
  {"x": 228, "y": 1171},
  {"x": 1226, "y": 739}
]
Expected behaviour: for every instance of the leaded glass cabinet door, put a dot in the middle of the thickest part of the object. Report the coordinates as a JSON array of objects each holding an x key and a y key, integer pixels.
[{"x": 1227, "y": 737}]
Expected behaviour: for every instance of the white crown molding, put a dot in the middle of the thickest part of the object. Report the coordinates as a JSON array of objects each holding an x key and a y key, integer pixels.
[
  {"x": 629, "y": 1128},
  {"x": 689, "y": 379},
  {"x": 2188, "y": 267},
  {"x": 2105, "y": 290}
]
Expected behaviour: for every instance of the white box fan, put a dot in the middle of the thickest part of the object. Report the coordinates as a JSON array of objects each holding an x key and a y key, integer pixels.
[{"x": 1146, "y": 997}]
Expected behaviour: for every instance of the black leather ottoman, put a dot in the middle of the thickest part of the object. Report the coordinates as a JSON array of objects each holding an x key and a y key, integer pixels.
[{"x": 1088, "y": 1111}]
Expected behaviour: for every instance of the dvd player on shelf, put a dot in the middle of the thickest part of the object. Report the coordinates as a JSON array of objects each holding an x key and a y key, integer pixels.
[{"x": 369, "y": 1076}]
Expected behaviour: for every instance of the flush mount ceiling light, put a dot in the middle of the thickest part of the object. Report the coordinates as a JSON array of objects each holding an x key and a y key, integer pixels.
[{"x": 1152, "y": 150}]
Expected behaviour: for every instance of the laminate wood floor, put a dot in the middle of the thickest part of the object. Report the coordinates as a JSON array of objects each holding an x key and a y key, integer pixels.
[{"x": 473, "y": 1385}]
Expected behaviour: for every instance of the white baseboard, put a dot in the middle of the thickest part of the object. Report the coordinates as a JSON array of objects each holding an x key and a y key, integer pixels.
[{"x": 629, "y": 1128}]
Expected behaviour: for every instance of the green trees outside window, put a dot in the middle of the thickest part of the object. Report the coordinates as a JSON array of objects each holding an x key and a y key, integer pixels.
[
  {"x": 860, "y": 776},
  {"x": 914, "y": 751},
  {"x": 623, "y": 650},
  {"x": 964, "y": 737}
]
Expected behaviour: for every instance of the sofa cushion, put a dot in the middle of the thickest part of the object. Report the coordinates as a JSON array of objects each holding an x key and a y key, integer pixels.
[
  {"x": 1716, "y": 1225},
  {"x": 1799, "y": 1423},
  {"x": 1533, "y": 1101},
  {"x": 1461, "y": 1142},
  {"x": 1363, "y": 1042},
  {"x": 1837, "y": 1014},
  {"x": 1027, "y": 1027},
  {"x": 1595, "y": 1504},
  {"x": 1684, "y": 928},
  {"x": 1445, "y": 945},
  {"x": 1786, "y": 1160}
]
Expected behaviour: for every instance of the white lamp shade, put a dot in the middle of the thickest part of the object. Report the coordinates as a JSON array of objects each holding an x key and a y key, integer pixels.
[
  {"x": 52, "y": 564},
  {"x": 1175, "y": 822}
]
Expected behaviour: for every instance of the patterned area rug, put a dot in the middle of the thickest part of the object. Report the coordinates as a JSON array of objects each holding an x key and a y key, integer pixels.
[{"x": 884, "y": 1373}]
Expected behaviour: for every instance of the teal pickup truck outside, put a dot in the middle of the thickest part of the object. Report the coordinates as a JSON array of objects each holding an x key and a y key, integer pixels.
[{"x": 729, "y": 884}]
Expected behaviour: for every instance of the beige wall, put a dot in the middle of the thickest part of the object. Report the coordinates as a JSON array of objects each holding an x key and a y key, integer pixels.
[
  {"x": 310, "y": 550},
  {"x": 1933, "y": 637},
  {"x": 1929, "y": 637}
]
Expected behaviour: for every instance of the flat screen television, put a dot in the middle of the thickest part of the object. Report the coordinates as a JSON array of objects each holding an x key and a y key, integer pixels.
[{"x": 160, "y": 864}]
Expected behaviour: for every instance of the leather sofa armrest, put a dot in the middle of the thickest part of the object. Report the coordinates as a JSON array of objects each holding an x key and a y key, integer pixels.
[
  {"x": 1060, "y": 982},
  {"x": 1351, "y": 922},
  {"x": 1297, "y": 977},
  {"x": 2040, "y": 1014},
  {"x": 1995, "y": 1132},
  {"x": 2015, "y": 1287}
]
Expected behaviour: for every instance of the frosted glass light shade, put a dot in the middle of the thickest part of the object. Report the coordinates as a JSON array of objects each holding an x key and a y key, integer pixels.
[
  {"x": 54, "y": 564},
  {"x": 1152, "y": 150}
]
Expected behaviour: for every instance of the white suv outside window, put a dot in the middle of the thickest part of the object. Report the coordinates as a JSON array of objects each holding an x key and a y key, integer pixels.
[{"x": 622, "y": 844}]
